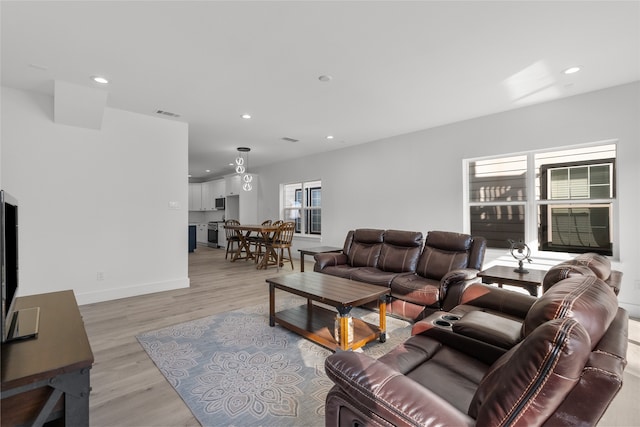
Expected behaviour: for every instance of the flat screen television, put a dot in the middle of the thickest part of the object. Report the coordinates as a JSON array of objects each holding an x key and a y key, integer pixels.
[{"x": 22, "y": 323}]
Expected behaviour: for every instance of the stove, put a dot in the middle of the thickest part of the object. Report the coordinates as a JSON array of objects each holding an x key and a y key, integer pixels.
[{"x": 212, "y": 234}]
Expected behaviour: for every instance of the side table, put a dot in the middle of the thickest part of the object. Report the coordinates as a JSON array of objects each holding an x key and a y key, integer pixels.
[
  {"x": 503, "y": 275},
  {"x": 316, "y": 250},
  {"x": 48, "y": 377}
]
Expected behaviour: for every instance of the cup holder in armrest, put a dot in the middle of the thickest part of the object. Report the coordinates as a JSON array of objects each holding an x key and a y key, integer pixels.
[
  {"x": 441, "y": 322},
  {"x": 450, "y": 317}
]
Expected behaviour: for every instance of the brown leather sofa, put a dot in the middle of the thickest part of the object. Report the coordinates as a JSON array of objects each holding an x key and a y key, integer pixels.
[
  {"x": 479, "y": 304},
  {"x": 564, "y": 367},
  {"x": 422, "y": 278}
]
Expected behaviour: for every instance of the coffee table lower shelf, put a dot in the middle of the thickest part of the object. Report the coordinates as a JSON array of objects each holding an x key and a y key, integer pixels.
[{"x": 316, "y": 324}]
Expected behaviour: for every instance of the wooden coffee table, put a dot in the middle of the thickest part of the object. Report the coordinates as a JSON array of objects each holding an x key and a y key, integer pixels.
[{"x": 315, "y": 322}]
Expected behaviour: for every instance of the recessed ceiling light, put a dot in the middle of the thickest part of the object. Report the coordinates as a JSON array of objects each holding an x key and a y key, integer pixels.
[
  {"x": 246, "y": 116},
  {"x": 100, "y": 79},
  {"x": 325, "y": 78},
  {"x": 571, "y": 70},
  {"x": 207, "y": 170},
  {"x": 329, "y": 136}
]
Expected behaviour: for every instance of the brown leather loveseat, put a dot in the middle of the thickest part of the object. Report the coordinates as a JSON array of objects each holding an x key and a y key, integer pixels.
[
  {"x": 563, "y": 368},
  {"x": 422, "y": 278}
]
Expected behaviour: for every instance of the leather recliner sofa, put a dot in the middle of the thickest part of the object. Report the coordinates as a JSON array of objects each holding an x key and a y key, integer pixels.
[
  {"x": 422, "y": 278},
  {"x": 564, "y": 369}
]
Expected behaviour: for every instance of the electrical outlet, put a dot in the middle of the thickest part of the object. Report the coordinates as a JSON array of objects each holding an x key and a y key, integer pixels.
[
  {"x": 174, "y": 205},
  {"x": 100, "y": 276}
]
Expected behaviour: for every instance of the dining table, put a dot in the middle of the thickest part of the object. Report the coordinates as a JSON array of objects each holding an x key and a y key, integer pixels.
[{"x": 244, "y": 231}]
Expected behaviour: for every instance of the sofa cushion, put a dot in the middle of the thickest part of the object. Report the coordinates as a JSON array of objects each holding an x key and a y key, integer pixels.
[
  {"x": 528, "y": 383},
  {"x": 400, "y": 251},
  {"x": 587, "y": 299},
  {"x": 373, "y": 276},
  {"x": 599, "y": 264},
  {"x": 562, "y": 271},
  {"x": 452, "y": 375},
  {"x": 434, "y": 263},
  {"x": 449, "y": 241},
  {"x": 343, "y": 270},
  {"x": 365, "y": 249},
  {"x": 416, "y": 289}
]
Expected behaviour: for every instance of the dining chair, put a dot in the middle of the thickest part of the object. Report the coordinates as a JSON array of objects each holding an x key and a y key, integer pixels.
[
  {"x": 232, "y": 236},
  {"x": 282, "y": 240},
  {"x": 258, "y": 241}
]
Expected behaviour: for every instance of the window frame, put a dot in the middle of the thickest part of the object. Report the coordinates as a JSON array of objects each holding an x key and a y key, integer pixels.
[
  {"x": 303, "y": 194},
  {"x": 533, "y": 201}
]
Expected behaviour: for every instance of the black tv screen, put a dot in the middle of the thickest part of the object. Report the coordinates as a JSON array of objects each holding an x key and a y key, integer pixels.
[{"x": 8, "y": 258}]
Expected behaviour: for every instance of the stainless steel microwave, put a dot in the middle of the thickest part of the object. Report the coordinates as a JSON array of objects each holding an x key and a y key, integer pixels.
[{"x": 219, "y": 204}]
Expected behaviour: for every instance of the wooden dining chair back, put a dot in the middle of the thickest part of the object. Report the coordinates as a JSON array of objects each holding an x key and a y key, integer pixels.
[
  {"x": 232, "y": 236},
  {"x": 283, "y": 240},
  {"x": 259, "y": 241}
]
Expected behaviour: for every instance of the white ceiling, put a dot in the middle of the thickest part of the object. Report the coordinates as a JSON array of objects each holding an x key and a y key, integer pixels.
[{"x": 397, "y": 67}]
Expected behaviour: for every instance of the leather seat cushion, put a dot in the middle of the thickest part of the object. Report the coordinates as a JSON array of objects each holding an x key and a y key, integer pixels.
[
  {"x": 450, "y": 374},
  {"x": 416, "y": 289},
  {"x": 343, "y": 270},
  {"x": 373, "y": 276}
]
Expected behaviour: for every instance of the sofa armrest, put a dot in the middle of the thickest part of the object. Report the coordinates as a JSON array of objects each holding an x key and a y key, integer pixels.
[
  {"x": 615, "y": 281},
  {"x": 505, "y": 301},
  {"x": 389, "y": 394},
  {"x": 329, "y": 259},
  {"x": 453, "y": 284}
]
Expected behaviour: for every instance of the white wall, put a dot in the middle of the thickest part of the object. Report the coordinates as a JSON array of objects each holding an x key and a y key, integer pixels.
[
  {"x": 96, "y": 200},
  {"x": 414, "y": 181}
]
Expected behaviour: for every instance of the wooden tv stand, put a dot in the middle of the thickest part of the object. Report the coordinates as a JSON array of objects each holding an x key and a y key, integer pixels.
[{"x": 47, "y": 377}]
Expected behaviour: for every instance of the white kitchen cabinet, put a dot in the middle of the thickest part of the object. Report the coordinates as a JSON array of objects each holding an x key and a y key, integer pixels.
[
  {"x": 233, "y": 185},
  {"x": 201, "y": 233},
  {"x": 217, "y": 188},
  {"x": 209, "y": 192},
  {"x": 207, "y": 197},
  {"x": 195, "y": 196}
]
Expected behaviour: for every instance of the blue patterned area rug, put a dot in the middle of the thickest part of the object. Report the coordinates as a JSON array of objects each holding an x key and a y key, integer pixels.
[{"x": 233, "y": 369}]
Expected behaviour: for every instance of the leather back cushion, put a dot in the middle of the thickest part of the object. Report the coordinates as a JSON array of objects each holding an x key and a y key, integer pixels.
[
  {"x": 562, "y": 271},
  {"x": 365, "y": 248},
  {"x": 586, "y": 264},
  {"x": 449, "y": 241},
  {"x": 599, "y": 264},
  {"x": 527, "y": 384},
  {"x": 400, "y": 251},
  {"x": 585, "y": 298},
  {"x": 434, "y": 263}
]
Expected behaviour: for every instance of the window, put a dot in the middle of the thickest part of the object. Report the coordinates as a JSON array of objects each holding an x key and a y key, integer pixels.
[
  {"x": 563, "y": 200},
  {"x": 302, "y": 203}
]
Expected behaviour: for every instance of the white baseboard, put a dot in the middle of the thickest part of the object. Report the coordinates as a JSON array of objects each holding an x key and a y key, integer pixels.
[{"x": 130, "y": 291}]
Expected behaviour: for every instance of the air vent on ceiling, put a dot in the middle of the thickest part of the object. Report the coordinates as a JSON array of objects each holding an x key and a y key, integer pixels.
[
  {"x": 167, "y": 113},
  {"x": 290, "y": 139}
]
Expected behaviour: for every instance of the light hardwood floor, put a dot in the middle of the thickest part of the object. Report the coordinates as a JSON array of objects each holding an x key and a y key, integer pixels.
[{"x": 128, "y": 389}]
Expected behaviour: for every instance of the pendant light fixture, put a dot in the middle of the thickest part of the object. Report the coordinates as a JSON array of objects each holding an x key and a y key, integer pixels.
[{"x": 242, "y": 163}]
